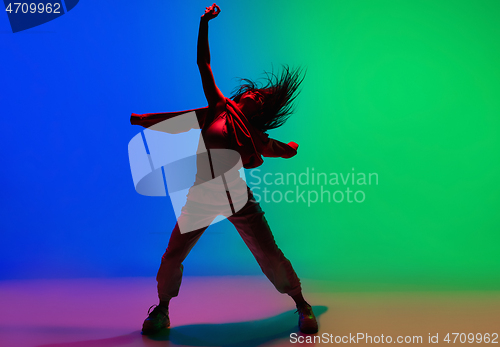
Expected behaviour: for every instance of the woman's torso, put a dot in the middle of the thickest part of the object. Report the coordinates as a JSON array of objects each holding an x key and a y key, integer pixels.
[{"x": 219, "y": 157}]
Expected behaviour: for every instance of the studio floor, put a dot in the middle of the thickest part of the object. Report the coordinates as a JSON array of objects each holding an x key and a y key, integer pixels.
[{"x": 234, "y": 311}]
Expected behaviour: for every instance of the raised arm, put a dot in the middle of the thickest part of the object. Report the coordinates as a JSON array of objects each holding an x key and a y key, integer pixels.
[{"x": 212, "y": 92}]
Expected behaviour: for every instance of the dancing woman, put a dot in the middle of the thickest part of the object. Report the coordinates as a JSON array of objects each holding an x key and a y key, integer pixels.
[{"x": 239, "y": 124}]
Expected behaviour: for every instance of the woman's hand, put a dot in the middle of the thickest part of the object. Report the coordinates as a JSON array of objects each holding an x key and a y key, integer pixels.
[
  {"x": 211, "y": 12},
  {"x": 293, "y": 145}
]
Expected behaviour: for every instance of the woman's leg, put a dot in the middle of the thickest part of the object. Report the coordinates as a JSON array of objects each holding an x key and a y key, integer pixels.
[
  {"x": 256, "y": 233},
  {"x": 169, "y": 275},
  {"x": 253, "y": 228}
]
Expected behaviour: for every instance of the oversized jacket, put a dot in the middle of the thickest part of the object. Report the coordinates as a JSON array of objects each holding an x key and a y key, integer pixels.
[{"x": 250, "y": 142}]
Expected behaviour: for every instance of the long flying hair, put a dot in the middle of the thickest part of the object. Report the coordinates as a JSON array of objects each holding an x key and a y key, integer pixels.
[{"x": 279, "y": 91}]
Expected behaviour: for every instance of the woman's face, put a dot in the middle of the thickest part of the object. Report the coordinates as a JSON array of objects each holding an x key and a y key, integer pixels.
[{"x": 251, "y": 102}]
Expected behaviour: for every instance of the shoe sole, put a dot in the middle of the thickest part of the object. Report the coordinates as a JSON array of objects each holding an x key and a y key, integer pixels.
[
  {"x": 153, "y": 332},
  {"x": 309, "y": 331}
]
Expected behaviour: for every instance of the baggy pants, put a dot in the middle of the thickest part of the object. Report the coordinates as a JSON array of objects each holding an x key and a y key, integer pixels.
[{"x": 255, "y": 232}]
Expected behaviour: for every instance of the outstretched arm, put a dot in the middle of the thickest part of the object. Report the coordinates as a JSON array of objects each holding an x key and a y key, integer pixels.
[
  {"x": 149, "y": 119},
  {"x": 212, "y": 92}
]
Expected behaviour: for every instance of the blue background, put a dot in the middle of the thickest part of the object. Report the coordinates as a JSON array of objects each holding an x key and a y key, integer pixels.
[{"x": 69, "y": 208}]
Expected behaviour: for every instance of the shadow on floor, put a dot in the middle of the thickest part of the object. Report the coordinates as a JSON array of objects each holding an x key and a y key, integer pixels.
[{"x": 242, "y": 334}]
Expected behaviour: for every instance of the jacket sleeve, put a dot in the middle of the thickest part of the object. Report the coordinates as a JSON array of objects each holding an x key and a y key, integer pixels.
[
  {"x": 147, "y": 120},
  {"x": 278, "y": 149}
]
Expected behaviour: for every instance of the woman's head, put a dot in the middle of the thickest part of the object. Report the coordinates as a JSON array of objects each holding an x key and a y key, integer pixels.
[
  {"x": 251, "y": 102},
  {"x": 268, "y": 106}
]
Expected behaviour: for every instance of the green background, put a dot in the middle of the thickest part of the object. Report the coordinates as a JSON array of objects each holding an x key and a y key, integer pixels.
[{"x": 406, "y": 89}]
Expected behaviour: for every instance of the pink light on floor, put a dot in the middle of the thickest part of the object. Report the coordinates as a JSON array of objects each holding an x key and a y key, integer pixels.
[
  {"x": 109, "y": 312},
  {"x": 224, "y": 311}
]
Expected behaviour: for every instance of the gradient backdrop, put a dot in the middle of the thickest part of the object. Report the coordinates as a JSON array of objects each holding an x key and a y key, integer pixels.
[{"x": 407, "y": 90}]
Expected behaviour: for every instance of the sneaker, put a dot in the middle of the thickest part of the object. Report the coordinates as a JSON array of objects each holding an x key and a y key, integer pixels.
[
  {"x": 156, "y": 321},
  {"x": 307, "y": 320}
]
